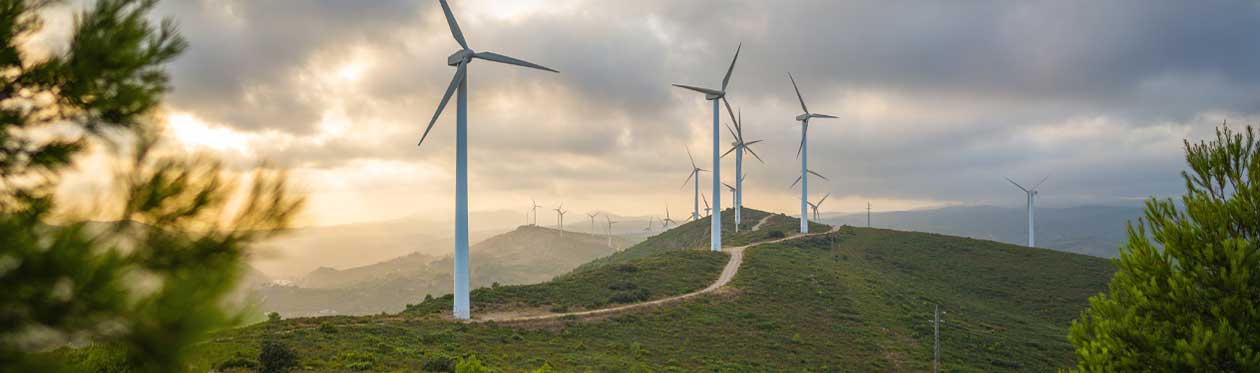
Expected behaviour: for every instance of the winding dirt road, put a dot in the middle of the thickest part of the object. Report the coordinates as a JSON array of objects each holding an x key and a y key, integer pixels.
[{"x": 728, "y": 273}]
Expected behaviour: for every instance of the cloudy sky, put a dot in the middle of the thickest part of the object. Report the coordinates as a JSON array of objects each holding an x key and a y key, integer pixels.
[{"x": 937, "y": 102}]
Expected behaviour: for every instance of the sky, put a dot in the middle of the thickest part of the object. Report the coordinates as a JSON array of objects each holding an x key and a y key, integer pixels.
[{"x": 936, "y": 102}]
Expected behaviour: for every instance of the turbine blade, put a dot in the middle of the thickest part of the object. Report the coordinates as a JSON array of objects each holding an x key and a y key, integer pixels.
[
  {"x": 798, "y": 93},
  {"x": 819, "y": 175},
  {"x": 728, "y": 186},
  {"x": 822, "y": 116},
  {"x": 731, "y": 113},
  {"x": 732, "y": 131},
  {"x": 491, "y": 56},
  {"x": 1021, "y": 187},
  {"x": 754, "y": 154},
  {"x": 684, "y": 184},
  {"x": 698, "y": 89},
  {"x": 450, "y": 90},
  {"x": 693, "y": 159},
  {"x": 729, "y": 151},
  {"x": 450, "y": 21},
  {"x": 798, "y": 180},
  {"x": 1039, "y": 182},
  {"x": 820, "y": 202},
  {"x": 729, "y": 70},
  {"x": 802, "y": 147}
]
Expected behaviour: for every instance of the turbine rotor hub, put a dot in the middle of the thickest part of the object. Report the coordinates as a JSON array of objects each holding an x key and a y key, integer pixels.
[
  {"x": 803, "y": 117},
  {"x": 460, "y": 56}
]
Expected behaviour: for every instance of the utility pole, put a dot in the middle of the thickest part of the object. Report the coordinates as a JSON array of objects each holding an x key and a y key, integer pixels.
[
  {"x": 868, "y": 214},
  {"x": 936, "y": 338}
]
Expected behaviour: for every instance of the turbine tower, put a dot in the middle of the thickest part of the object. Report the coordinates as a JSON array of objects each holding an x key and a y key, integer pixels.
[
  {"x": 739, "y": 146},
  {"x": 715, "y": 242},
  {"x": 610, "y": 223},
  {"x": 734, "y": 197},
  {"x": 460, "y": 59},
  {"x": 1032, "y": 195},
  {"x": 803, "y": 153},
  {"x": 868, "y": 214},
  {"x": 592, "y": 215},
  {"x": 695, "y": 196}
]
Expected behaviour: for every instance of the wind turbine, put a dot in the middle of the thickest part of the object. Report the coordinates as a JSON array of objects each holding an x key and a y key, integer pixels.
[
  {"x": 667, "y": 221},
  {"x": 610, "y": 223},
  {"x": 707, "y": 209},
  {"x": 1032, "y": 195},
  {"x": 715, "y": 242},
  {"x": 868, "y": 214},
  {"x": 695, "y": 196},
  {"x": 803, "y": 153},
  {"x": 649, "y": 227},
  {"x": 592, "y": 215},
  {"x": 560, "y": 218},
  {"x": 738, "y": 147},
  {"x": 460, "y": 59},
  {"x": 734, "y": 196},
  {"x": 818, "y": 204},
  {"x": 535, "y": 207}
]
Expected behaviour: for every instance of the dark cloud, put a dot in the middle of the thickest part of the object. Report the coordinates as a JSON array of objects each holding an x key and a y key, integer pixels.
[{"x": 975, "y": 90}]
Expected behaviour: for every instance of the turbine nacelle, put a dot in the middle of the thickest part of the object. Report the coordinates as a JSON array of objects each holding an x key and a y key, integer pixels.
[
  {"x": 460, "y": 56},
  {"x": 802, "y": 117}
]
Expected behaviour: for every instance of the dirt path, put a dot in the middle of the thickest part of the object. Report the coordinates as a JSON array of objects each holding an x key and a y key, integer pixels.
[{"x": 728, "y": 273}]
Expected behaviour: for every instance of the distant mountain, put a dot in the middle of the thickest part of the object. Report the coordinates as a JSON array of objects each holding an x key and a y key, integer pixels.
[
  {"x": 1091, "y": 230},
  {"x": 528, "y": 254}
]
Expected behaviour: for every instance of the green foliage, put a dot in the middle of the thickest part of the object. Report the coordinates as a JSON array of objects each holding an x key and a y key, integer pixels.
[
  {"x": 471, "y": 365},
  {"x": 327, "y": 328},
  {"x": 1187, "y": 293},
  {"x": 276, "y": 357},
  {"x": 145, "y": 288},
  {"x": 273, "y": 316},
  {"x": 438, "y": 362}
]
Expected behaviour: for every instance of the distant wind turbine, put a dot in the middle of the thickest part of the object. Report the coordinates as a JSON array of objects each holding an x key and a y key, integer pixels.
[
  {"x": 560, "y": 211},
  {"x": 1032, "y": 195},
  {"x": 734, "y": 196},
  {"x": 610, "y": 224},
  {"x": 535, "y": 206},
  {"x": 868, "y": 214},
  {"x": 739, "y": 146},
  {"x": 816, "y": 205},
  {"x": 707, "y": 209},
  {"x": 460, "y": 59},
  {"x": 695, "y": 196},
  {"x": 592, "y": 215},
  {"x": 715, "y": 242},
  {"x": 667, "y": 221},
  {"x": 803, "y": 152},
  {"x": 649, "y": 227}
]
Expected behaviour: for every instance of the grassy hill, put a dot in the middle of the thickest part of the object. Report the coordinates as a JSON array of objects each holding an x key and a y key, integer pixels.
[
  {"x": 854, "y": 300},
  {"x": 529, "y": 254}
]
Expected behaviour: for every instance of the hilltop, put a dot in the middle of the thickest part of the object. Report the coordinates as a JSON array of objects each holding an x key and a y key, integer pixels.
[
  {"x": 852, "y": 299},
  {"x": 1090, "y": 230},
  {"x": 528, "y": 254}
]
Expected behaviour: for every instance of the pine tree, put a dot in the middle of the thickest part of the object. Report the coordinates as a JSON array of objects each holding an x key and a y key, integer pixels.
[
  {"x": 142, "y": 290},
  {"x": 1186, "y": 296}
]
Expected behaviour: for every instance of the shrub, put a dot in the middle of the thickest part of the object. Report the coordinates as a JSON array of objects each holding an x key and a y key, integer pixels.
[
  {"x": 471, "y": 365},
  {"x": 236, "y": 363},
  {"x": 775, "y": 234},
  {"x": 273, "y": 317},
  {"x": 627, "y": 268},
  {"x": 438, "y": 362},
  {"x": 327, "y": 328},
  {"x": 276, "y": 357}
]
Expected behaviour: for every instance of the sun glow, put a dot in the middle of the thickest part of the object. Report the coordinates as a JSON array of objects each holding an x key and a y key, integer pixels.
[{"x": 195, "y": 134}]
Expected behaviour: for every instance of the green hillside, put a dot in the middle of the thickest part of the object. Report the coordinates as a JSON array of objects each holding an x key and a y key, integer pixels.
[{"x": 854, "y": 300}]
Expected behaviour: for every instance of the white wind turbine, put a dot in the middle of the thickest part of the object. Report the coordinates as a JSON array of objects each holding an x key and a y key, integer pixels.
[
  {"x": 707, "y": 209},
  {"x": 803, "y": 153},
  {"x": 460, "y": 59},
  {"x": 649, "y": 227},
  {"x": 592, "y": 215},
  {"x": 739, "y": 146},
  {"x": 1032, "y": 195},
  {"x": 610, "y": 224},
  {"x": 560, "y": 211},
  {"x": 816, "y": 205},
  {"x": 734, "y": 197},
  {"x": 667, "y": 221},
  {"x": 534, "y": 206},
  {"x": 715, "y": 242},
  {"x": 695, "y": 196}
]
